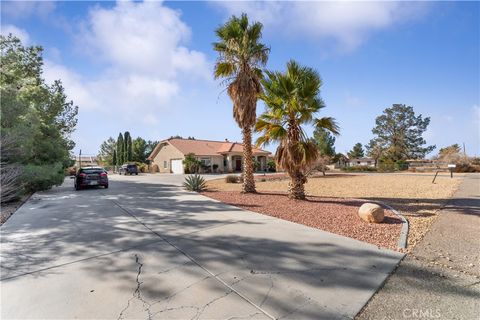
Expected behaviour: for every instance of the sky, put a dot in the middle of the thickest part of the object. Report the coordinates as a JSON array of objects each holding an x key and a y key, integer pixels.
[{"x": 147, "y": 67}]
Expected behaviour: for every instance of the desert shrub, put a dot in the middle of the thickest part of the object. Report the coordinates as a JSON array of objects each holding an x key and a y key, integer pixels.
[
  {"x": 466, "y": 167},
  {"x": 386, "y": 166},
  {"x": 194, "y": 183},
  {"x": 154, "y": 168},
  {"x": 231, "y": 178},
  {"x": 142, "y": 167},
  {"x": 359, "y": 169},
  {"x": 10, "y": 176}
]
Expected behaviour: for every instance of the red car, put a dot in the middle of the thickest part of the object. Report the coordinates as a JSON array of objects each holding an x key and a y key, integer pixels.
[{"x": 91, "y": 177}]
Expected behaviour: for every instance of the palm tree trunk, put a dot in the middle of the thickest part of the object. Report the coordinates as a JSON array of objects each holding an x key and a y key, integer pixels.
[
  {"x": 296, "y": 189},
  {"x": 248, "y": 179}
]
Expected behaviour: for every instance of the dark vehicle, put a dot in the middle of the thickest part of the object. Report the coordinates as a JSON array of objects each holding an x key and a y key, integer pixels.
[
  {"x": 128, "y": 169},
  {"x": 89, "y": 177}
]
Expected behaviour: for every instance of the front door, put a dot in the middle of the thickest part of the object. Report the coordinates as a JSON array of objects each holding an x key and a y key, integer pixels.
[{"x": 238, "y": 165}]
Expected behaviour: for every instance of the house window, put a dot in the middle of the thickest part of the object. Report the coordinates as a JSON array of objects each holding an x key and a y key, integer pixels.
[
  {"x": 165, "y": 165},
  {"x": 358, "y": 162},
  {"x": 225, "y": 161},
  {"x": 205, "y": 161}
]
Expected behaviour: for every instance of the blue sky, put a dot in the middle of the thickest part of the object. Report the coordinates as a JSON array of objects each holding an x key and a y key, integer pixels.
[{"x": 147, "y": 67}]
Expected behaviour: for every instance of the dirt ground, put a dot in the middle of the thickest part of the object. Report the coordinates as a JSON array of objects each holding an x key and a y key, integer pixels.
[{"x": 415, "y": 196}]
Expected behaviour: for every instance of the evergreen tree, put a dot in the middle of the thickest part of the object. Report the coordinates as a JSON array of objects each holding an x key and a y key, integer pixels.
[
  {"x": 357, "y": 151},
  {"x": 399, "y": 132},
  {"x": 120, "y": 148},
  {"x": 127, "y": 151},
  {"x": 36, "y": 122},
  {"x": 114, "y": 157},
  {"x": 106, "y": 151}
]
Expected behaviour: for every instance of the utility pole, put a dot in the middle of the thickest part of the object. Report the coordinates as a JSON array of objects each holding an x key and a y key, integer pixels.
[
  {"x": 464, "y": 152},
  {"x": 80, "y": 159}
]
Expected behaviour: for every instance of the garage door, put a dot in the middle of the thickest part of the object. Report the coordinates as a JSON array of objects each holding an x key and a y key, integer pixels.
[{"x": 177, "y": 166}]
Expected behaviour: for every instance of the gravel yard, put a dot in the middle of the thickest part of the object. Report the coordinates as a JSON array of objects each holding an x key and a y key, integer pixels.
[
  {"x": 414, "y": 196},
  {"x": 330, "y": 214}
]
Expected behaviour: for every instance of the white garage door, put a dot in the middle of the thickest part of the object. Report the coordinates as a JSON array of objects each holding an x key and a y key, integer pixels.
[{"x": 177, "y": 166}]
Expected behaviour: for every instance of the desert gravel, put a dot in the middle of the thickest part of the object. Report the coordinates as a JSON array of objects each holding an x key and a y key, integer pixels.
[
  {"x": 334, "y": 215},
  {"x": 415, "y": 196}
]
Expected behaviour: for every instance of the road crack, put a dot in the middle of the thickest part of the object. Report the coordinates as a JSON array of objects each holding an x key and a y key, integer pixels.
[{"x": 137, "y": 294}]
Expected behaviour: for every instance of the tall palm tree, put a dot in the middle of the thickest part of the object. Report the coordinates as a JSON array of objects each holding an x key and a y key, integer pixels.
[
  {"x": 240, "y": 58},
  {"x": 292, "y": 100}
]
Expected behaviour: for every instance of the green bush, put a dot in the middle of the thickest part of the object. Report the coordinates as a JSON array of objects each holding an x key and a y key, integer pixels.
[
  {"x": 42, "y": 177},
  {"x": 401, "y": 165},
  {"x": 231, "y": 178},
  {"x": 271, "y": 166},
  {"x": 359, "y": 169},
  {"x": 195, "y": 183}
]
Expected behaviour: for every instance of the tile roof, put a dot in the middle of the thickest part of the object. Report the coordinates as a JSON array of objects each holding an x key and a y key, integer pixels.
[{"x": 206, "y": 147}]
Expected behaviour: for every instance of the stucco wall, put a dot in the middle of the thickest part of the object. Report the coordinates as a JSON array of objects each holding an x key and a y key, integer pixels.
[{"x": 166, "y": 153}]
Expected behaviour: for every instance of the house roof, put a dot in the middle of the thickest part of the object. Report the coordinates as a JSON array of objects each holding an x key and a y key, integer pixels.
[
  {"x": 205, "y": 147},
  {"x": 361, "y": 159}
]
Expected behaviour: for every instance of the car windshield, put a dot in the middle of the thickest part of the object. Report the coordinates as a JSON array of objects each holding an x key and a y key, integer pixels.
[{"x": 92, "y": 170}]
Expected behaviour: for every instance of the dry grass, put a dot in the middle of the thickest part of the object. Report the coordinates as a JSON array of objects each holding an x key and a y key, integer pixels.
[{"x": 413, "y": 195}]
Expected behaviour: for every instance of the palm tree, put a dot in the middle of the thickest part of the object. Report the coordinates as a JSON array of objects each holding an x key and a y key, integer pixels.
[
  {"x": 292, "y": 100},
  {"x": 240, "y": 58}
]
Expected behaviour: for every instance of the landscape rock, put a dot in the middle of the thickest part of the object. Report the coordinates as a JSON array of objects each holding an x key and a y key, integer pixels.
[{"x": 371, "y": 212}]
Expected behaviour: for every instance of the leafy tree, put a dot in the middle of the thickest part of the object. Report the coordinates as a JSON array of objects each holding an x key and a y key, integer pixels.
[
  {"x": 399, "y": 132},
  {"x": 139, "y": 147},
  {"x": 240, "y": 58},
  {"x": 357, "y": 151},
  {"x": 325, "y": 142},
  {"x": 375, "y": 150},
  {"x": 176, "y": 137},
  {"x": 120, "y": 150},
  {"x": 107, "y": 150},
  {"x": 36, "y": 121},
  {"x": 292, "y": 101},
  {"x": 150, "y": 146}
]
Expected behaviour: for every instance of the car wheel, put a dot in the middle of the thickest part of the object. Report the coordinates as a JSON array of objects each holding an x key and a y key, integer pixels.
[
  {"x": 136, "y": 174},
  {"x": 106, "y": 186},
  {"x": 77, "y": 187}
]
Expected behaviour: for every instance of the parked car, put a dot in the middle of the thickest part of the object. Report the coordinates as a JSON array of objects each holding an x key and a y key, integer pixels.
[
  {"x": 128, "y": 169},
  {"x": 89, "y": 177}
]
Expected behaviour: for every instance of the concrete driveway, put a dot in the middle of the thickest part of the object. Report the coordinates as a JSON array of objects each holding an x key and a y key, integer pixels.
[{"x": 146, "y": 249}]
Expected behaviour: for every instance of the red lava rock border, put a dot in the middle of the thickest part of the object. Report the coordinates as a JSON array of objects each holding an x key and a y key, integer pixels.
[{"x": 335, "y": 215}]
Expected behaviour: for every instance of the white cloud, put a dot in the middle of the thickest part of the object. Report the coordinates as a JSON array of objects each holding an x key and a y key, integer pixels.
[
  {"x": 19, "y": 33},
  {"x": 141, "y": 50},
  {"x": 26, "y": 9},
  {"x": 348, "y": 23}
]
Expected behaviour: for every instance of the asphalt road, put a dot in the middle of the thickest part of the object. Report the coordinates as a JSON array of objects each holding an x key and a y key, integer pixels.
[{"x": 146, "y": 249}]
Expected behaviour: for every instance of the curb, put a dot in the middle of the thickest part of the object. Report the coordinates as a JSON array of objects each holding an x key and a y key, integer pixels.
[{"x": 402, "y": 242}]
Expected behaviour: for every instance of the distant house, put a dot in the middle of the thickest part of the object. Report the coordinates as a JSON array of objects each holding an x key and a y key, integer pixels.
[
  {"x": 219, "y": 156},
  {"x": 369, "y": 162},
  {"x": 85, "y": 161}
]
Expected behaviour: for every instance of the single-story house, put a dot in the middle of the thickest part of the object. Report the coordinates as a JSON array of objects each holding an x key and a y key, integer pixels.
[
  {"x": 369, "y": 162},
  {"x": 85, "y": 161},
  {"x": 219, "y": 156}
]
